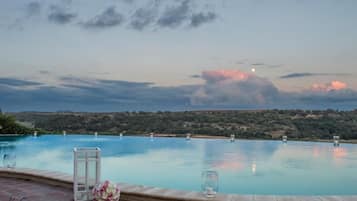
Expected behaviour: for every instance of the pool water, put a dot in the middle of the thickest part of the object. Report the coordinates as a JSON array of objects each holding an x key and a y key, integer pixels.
[{"x": 244, "y": 166}]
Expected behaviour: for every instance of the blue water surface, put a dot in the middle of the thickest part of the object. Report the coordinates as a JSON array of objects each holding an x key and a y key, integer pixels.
[{"x": 244, "y": 166}]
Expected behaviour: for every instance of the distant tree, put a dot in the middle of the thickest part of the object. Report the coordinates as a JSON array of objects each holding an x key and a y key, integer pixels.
[{"x": 8, "y": 125}]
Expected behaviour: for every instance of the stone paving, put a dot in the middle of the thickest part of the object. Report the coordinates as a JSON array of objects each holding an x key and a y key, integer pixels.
[{"x": 21, "y": 190}]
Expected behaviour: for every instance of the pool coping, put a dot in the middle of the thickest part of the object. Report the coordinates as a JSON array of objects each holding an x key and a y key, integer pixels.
[{"x": 131, "y": 192}]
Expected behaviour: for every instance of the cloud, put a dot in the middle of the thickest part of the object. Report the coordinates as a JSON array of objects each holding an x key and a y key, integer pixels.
[
  {"x": 44, "y": 72},
  {"x": 142, "y": 18},
  {"x": 80, "y": 94},
  {"x": 258, "y": 64},
  {"x": 197, "y": 19},
  {"x": 128, "y": 1},
  {"x": 301, "y": 75},
  {"x": 125, "y": 83},
  {"x": 107, "y": 19},
  {"x": 195, "y": 76},
  {"x": 224, "y": 75},
  {"x": 298, "y": 75},
  {"x": 60, "y": 15},
  {"x": 33, "y": 8},
  {"x": 16, "y": 25},
  {"x": 332, "y": 86},
  {"x": 175, "y": 16},
  {"x": 275, "y": 66},
  {"x": 265, "y": 65},
  {"x": 221, "y": 89},
  {"x": 234, "y": 87},
  {"x": 184, "y": 13},
  {"x": 17, "y": 82}
]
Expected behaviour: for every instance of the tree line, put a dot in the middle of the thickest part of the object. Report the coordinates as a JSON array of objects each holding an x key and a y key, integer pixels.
[{"x": 264, "y": 124}]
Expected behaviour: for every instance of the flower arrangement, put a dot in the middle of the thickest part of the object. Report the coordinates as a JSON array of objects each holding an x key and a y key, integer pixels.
[{"x": 106, "y": 191}]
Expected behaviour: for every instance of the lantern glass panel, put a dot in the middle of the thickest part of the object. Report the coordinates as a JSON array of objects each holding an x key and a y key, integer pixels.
[
  {"x": 210, "y": 183},
  {"x": 9, "y": 160}
]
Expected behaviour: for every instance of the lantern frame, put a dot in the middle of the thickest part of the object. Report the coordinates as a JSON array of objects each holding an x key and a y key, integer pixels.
[{"x": 83, "y": 185}]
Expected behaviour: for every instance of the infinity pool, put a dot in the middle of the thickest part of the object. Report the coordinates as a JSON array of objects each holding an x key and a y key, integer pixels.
[{"x": 244, "y": 166}]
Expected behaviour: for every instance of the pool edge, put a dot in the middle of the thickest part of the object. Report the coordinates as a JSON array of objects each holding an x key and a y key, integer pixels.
[{"x": 145, "y": 193}]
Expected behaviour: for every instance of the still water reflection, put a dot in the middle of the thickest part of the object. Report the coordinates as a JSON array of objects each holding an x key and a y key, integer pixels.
[{"x": 244, "y": 166}]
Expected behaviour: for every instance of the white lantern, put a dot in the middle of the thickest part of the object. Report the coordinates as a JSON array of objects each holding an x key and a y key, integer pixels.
[
  {"x": 188, "y": 136},
  {"x": 35, "y": 134},
  {"x": 232, "y": 138},
  {"x": 254, "y": 167},
  {"x": 86, "y": 172},
  {"x": 64, "y": 133},
  {"x": 285, "y": 139},
  {"x": 336, "y": 141},
  {"x": 96, "y": 134}
]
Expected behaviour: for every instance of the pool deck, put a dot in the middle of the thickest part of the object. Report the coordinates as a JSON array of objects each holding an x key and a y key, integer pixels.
[
  {"x": 20, "y": 189},
  {"x": 40, "y": 185}
]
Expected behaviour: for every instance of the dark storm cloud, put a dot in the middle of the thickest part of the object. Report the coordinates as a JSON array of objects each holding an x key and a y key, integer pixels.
[
  {"x": 197, "y": 19},
  {"x": 17, "y": 82},
  {"x": 108, "y": 18},
  {"x": 301, "y": 75},
  {"x": 60, "y": 15},
  {"x": 33, "y": 8}
]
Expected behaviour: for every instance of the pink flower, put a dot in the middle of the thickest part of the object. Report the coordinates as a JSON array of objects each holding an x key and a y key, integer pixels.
[{"x": 106, "y": 191}]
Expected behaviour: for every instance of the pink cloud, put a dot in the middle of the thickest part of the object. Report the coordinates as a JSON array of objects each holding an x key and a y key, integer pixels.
[
  {"x": 332, "y": 86},
  {"x": 219, "y": 75},
  {"x": 229, "y": 87}
]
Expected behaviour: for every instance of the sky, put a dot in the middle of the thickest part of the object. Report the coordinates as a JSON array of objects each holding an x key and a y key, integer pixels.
[{"x": 130, "y": 55}]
